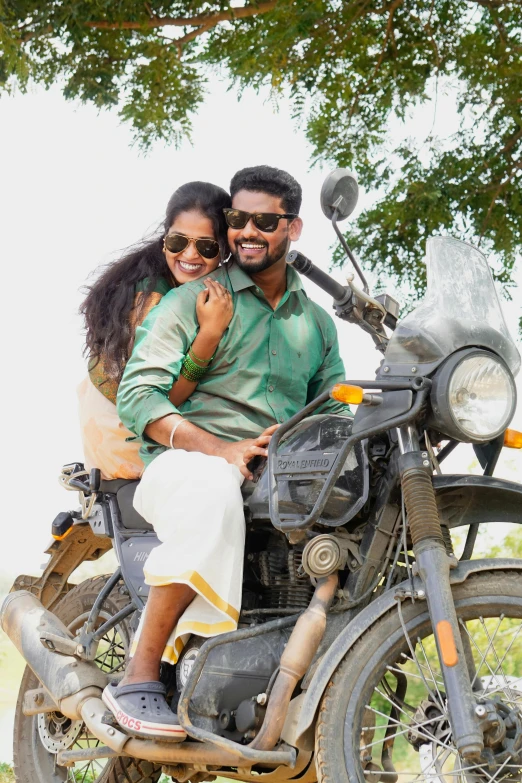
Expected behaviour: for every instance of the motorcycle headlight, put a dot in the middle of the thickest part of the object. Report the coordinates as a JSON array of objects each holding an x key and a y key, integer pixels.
[{"x": 473, "y": 396}]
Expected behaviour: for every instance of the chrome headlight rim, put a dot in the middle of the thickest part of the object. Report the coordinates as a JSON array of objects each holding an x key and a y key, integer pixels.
[{"x": 444, "y": 419}]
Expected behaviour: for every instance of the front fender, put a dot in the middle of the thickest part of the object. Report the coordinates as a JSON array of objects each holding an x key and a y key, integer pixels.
[
  {"x": 361, "y": 623},
  {"x": 466, "y": 500}
]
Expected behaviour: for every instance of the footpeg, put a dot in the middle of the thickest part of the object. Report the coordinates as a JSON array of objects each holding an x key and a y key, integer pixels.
[
  {"x": 109, "y": 720},
  {"x": 59, "y": 644}
]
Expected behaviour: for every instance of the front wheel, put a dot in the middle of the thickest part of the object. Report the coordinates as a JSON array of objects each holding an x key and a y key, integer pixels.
[
  {"x": 384, "y": 715},
  {"x": 39, "y": 738}
]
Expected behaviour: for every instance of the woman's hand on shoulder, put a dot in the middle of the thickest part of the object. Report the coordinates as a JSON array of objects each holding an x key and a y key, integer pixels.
[{"x": 214, "y": 309}]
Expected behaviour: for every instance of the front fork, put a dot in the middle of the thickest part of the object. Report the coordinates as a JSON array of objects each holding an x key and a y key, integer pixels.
[{"x": 433, "y": 566}]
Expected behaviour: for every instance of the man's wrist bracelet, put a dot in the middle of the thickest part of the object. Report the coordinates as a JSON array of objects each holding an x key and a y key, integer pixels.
[{"x": 173, "y": 431}]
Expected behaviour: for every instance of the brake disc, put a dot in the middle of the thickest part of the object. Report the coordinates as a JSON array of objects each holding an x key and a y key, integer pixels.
[{"x": 57, "y": 732}]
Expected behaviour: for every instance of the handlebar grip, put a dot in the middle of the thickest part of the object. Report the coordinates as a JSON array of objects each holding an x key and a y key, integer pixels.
[{"x": 305, "y": 267}]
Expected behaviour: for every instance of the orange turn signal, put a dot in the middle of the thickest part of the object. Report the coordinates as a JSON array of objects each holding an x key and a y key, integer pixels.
[
  {"x": 343, "y": 392},
  {"x": 64, "y": 535},
  {"x": 513, "y": 439}
]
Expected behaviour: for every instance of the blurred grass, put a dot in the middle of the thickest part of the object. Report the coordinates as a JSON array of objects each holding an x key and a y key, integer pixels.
[
  {"x": 11, "y": 669},
  {"x": 6, "y": 774}
]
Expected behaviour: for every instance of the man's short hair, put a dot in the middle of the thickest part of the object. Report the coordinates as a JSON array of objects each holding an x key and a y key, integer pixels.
[{"x": 266, "y": 179}]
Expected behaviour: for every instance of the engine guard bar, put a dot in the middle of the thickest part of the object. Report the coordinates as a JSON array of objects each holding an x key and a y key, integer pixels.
[
  {"x": 420, "y": 386},
  {"x": 286, "y": 757}
]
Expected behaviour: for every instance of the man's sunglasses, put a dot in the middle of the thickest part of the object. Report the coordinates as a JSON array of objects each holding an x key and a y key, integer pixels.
[
  {"x": 264, "y": 221},
  {"x": 176, "y": 243}
]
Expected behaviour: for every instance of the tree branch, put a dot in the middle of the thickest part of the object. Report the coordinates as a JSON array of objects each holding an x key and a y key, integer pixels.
[
  {"x": 179, "y": 42},
  {"x": 511, "y": 143},
  {"x": 500, "y": 188},
  {"x": 388, "y": 34},
  {"x": 496, "y": 3},
  {"x": 26, "y": 37},
  {"x": 206, "y": 20},
  {"x": 202, "y": 22}
]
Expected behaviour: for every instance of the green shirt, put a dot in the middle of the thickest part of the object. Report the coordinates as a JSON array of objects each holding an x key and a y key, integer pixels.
[
  {"x": 162, "y": 286},
  {"x": 268, "y": 365}
]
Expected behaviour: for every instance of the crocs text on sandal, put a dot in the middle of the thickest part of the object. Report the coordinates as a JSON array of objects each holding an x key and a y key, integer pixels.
[{"x": 142, "y": 710}]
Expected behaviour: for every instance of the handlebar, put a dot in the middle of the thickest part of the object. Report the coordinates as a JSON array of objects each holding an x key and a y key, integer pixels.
[{"x": 304, "y": 266}]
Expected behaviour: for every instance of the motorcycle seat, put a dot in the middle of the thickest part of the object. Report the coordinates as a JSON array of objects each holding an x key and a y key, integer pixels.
[{"x": 124, "y": 490}]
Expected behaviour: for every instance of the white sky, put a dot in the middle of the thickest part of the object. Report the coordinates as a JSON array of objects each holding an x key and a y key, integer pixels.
[{"x": 73, "y": 191}]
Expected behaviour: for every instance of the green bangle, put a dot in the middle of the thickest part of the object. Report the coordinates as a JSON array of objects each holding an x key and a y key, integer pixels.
[
  {"x": 192, "y": 371},
  {"x": 197, "y": 359},
  {"x": 189, "y": 376}
]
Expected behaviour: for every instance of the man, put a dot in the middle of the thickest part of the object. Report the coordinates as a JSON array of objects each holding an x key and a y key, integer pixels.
[{"x": 279, "y": 352}]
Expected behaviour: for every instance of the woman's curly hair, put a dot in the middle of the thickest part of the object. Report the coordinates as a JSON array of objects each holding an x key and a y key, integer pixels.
[{"x": 110, "y": 301}]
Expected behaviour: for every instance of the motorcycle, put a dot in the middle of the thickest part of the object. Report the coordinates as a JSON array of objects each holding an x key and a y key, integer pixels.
[{"x": 365, "y": 650}]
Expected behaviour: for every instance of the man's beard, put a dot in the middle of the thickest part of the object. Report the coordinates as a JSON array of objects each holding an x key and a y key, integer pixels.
[{"x": 252, "y": 267}]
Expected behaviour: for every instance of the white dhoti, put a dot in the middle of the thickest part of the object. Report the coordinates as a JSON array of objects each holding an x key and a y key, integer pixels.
[{"x": 195, "y": 505}]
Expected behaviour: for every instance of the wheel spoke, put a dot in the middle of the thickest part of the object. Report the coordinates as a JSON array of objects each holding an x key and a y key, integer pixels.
[
  {"x": 50, "y": 734},
  {"x": 110, "y": 658},
  {"x": 404, "y": 731},
  {"x": 517, "y": 683},
  {"x": 391, "y": 701},
  {"x": 408, "y": 722},
  {"x": 441, "y": 700},
  {"x": 412, "y": 674},
  {"x": 508, "y": 650},
  {"x": 420, "y": 668},
  {"x": 493, "y": 674},
  {"x": 492, "y": 646}
]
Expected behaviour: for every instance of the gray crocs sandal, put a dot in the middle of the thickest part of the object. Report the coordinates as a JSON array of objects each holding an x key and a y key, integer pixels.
[{"x": 142, "y": 710}]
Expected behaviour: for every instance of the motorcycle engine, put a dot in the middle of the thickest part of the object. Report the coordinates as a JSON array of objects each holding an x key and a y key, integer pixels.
[
  {"x": 230, "y": 695},
  {"x": 272, "y": 576}
]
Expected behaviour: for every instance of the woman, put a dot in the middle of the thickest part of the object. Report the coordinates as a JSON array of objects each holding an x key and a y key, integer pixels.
[{"x": 191, "y": 245}]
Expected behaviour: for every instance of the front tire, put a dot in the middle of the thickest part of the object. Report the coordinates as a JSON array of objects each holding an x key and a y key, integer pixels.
[
  {"x": 380, "y": 687},
  {"x": 37, "y": 738}
]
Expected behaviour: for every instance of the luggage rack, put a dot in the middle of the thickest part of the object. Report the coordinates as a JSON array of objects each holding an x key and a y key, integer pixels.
[{"x": 75, "y": 478}]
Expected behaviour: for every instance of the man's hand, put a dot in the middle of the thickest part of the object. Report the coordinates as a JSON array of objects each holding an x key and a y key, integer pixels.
[
  {"x": 193, "y": 438},
  {"x": 241, "y": 452}
]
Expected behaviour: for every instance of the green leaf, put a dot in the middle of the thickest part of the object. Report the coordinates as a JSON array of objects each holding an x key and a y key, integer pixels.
[{"x": 351, "y": 70}]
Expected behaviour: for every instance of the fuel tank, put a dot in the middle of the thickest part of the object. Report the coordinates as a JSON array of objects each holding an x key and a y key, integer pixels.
[{"x": 304, "y": 460}]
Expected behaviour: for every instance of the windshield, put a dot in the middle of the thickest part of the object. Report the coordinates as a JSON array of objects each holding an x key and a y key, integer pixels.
[{"x": 461, "y": 309}]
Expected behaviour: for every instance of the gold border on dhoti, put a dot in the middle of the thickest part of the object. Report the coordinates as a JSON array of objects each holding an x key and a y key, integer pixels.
[
  {"x": 196, "y": 581},
  {"x": 193, "y": 579}
]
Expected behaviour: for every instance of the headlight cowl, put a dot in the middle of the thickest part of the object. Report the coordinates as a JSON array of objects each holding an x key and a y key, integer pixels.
[{"x": 473, "y": 396}]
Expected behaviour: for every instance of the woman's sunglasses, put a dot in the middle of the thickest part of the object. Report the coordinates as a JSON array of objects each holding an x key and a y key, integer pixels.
[
  {"x": 176, "y": 243},
  {"x": 264, "y": 221}
]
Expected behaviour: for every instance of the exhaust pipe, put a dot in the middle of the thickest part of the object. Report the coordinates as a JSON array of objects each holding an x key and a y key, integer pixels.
[
  {"x": 76, "y": 685},
  {"x": 31, "y": 628},
  {"x": 295, "y": 661}
]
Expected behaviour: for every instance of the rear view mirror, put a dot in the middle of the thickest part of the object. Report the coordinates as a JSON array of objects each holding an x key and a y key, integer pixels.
[{"x": 340, "y": 193}]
